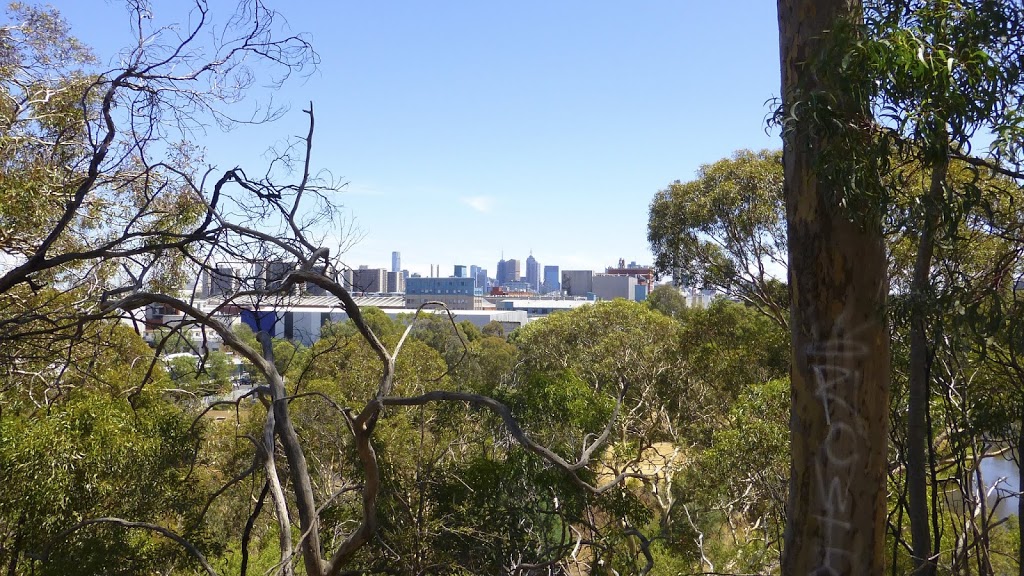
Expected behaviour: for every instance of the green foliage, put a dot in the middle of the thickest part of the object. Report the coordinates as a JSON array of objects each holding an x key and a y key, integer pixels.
[
  {"x": 90, "y": 438},
  {"x": 470, "y": 331},
  {"x": 97, "y": 456},
  {"x": 381, "y": 324},
  {"x": 558, "y": 408},
  {"x": 725, "y": 347},
  {"x": 174, "y": 341},
  {"x": 669, "y": 300},
  {"x": 437, "y": 331},
  {"x": 52, "y": 124},
  {"x": 609, "y": 344},
  {"x": 725, "y": 229},
  {"x": 741, "y": 480},
  {"x": 289, "y": 358},
  {"x": 245, "y": 333},
  {"x": 501, "y": 506},
  {"x": 751, "y": 451},
  {"x": 731, "y": 344},
  {"x": 42, "y": 80},
  {"x": 493, "y": 328},
  {"x": 951, "y": 63},
  {"x": 264, "y": 555},
  {"x": 202, "y": 376},
  {"x": 490, "y": 362}
]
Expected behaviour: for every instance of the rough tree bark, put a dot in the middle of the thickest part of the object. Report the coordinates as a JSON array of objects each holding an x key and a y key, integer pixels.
[{"x": 840, "y": 374}]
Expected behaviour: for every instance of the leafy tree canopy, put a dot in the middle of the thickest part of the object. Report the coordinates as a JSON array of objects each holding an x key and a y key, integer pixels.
[{"x": 726, "y": 230}]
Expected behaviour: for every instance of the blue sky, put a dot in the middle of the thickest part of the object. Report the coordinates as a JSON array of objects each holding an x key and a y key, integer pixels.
[{"x": 467, "y": 130}]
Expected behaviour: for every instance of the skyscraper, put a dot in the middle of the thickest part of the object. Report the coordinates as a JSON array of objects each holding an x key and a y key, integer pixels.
[
  {"x": 533, "y": 273},
  {"x": 396, "y": 262},
  {"x": 552, "y": 279},
  {"x": 513, "y": 270}
]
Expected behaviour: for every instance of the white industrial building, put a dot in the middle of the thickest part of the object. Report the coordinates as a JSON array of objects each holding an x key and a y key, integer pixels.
[
  {"x": 540, "y": 307},
  {"x": 301, "y": 319}
]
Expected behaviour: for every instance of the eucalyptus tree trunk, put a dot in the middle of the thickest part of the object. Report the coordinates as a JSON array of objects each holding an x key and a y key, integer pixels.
[
  {"x": 840, "y": 374},
  {"x": 919, "y": 377}
]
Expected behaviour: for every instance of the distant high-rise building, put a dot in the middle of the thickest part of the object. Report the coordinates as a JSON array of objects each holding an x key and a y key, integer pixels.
[
  {"x": 552, "y": 280},
  {"x": 482, "y": 281},
  {"x": 347, "y": 277},
  {"x": 508, "y": 271},
  {"x": 271, "y": 274},
  {"x": 221, "y": 280},
  {"x": 370, "y": 280},
  {"x": 396, "y": 262},
  {"x": 533, "y": 273},
  {"x": 474, "y": 271},
  {"x": 461, "y": 271}
]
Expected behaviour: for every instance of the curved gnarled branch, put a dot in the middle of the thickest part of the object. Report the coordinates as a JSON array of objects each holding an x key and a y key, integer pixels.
[{"x": 513, "y": 427}]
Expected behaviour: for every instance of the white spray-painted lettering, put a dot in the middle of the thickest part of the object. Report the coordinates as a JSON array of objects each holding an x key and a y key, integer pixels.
[{"x": 833, "y": 362}]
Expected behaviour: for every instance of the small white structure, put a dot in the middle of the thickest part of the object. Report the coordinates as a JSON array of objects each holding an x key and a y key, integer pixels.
[{"x": 538, "y": 308}]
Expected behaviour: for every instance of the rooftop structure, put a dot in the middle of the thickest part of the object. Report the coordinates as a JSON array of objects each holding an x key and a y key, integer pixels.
[{"x": 644, "y": 274}]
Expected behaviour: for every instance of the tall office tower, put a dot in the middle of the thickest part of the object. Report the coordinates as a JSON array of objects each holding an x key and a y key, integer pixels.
[
  {"x": 513, "y": 270},
  {"x": 481, "y": 279},
  {"x": 396, "y": 262},
  {"x": 499, "y": 276},
  {"x": 552, "y": 279},
  {"x": 533, "y": 273},
  {"x": 460, "y": 271}
]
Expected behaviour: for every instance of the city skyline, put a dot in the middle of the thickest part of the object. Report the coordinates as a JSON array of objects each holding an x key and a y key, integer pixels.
[
  {"x": 448, "y": 269},
  {"x": 463, "y": 130}
]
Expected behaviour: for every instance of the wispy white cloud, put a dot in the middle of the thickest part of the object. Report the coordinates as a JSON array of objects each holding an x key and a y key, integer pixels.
[{"x": 479, "y": 203}]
